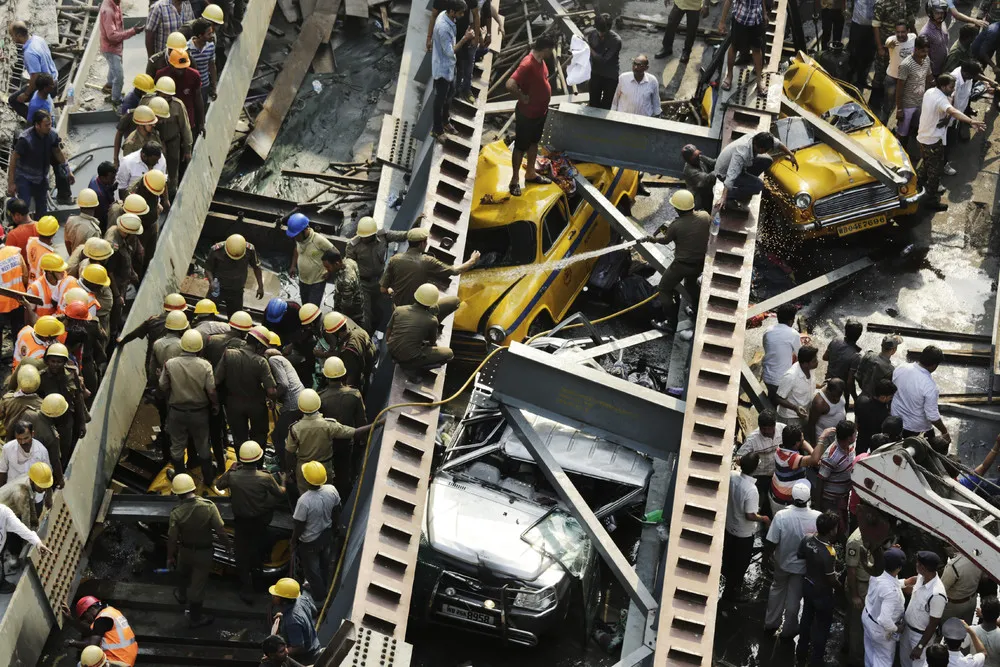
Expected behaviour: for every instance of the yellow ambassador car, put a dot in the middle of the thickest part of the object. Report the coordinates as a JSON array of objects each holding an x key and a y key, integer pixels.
[
  {"x": 505, "y": 297},
  {"x": 828, "y": 195}
]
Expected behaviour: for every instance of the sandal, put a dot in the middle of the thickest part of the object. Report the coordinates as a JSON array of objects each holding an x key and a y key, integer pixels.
[
  {"x": 515, "y": 189},
  {"x": 727, "y": 84},
  {"x": 538, "y": 180}
]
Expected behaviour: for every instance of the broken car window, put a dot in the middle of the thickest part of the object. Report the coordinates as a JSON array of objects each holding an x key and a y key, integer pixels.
[
  {"x": 507, "y": 245},
  {"x": 560, "y": 537}
]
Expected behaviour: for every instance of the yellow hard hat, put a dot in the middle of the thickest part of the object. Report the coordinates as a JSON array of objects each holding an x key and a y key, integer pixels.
[
  {"x": 314, "y": 472},
  {"x": 287, "y": 588},
  {"x": 367, "y": 226},
  {"x": 165, "y": 84},
  {"x": 179, "y": 58},
  {"x": 136, "y": 204},
  {"x": 87, "y": 199},
  {"x": 182, "y": 483},
  {"x": 333, "y": 322},
  {"x": 57, "y": 350},
  {"x": 309, "y": 401},
  {"x": 77, "y": 294},
  {"x": 95, "y": 274},
  {"x": 129, "y": 223},
  {"x": 155, "y": 181},
  {"x": 47, "y": 226},
  {"x": 250, "y": 451},
  {"x": 275, "y": 339},
  {"x": 427, "y": 295},
  {"x": 214, "y": 14},
  {"x": 241, "y": 321},
  {"x": 174, "y": 301},
  {"x": 54, "y": 405},
  {"x": 308, "y": 313},
  {"x": 41, "y": 474},
  {"x": 682, "y": 200},
  {"x": 52, "y": 262},
  {"x": 236, "y": 246},
  {"x": 144, "y": 82},
  {"x": 176, "y": 320},
  {"x": 177, "y": 40},
  {"x": 160, "y": 107},
  {"x": 334, "y": 368},
  {"x": 192, "y": 341},
  {"x": 143, "y": 115},
  {"x": 97, "y": 248},
  {"x": 93, "y": 656},
  {"x": 28, "y": 378},
  {"x": 206, "y": 307},
  {"x": 48, "y": 327},
  {"x": 262, "y": 335}
]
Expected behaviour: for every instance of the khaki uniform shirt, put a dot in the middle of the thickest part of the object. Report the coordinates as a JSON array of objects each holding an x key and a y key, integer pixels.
[
  {"x": 127, "y": 246},
  {"x": 46, "y": 431},
  {"x": 411, "y": 329},
  {"x": 253, "y": 492},
  {"x": 176, "y": 127},
  {"x": 138, "y": 138},
  {"x": 246, "y": 375},
  {"x": 66, "y": 383},
  {"x": 232, "y": 273},
  {"x": 165, "y": 349},
  {"x": 14, "y": 406},
  {"x": 210, "y": 325},
  {"x": 961, "y": 578},
  {"x": 344, "y": 404},
  {"x": 311, "y": 438},
  {"x": 689, "y": 234},
  {"x": 189, "y": 380},
  {"x": 349, "y": 297},
  {"x": 855, "y": 556},
  {"x": 356, "y": 351},
  {"x": 78, "y": 229},
  {"x": 409, "y": 270},
  {"x": 370, "y": 254},
  {"x": 192, "y": 522},
  {"x": 310, "y": 263},
  {"x": 216, "y": 345}
]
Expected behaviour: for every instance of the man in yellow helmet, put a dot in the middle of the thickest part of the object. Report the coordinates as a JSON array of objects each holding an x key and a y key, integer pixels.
[
  {"x": 174, "y": 130},
  {"x": 345, "y": 339},
  {"x": 246, "y": 377},
  {"x": 54, "y": 406},
  {"x": 228, "y": 262},
  {"x": 142, "y": 84},
  {"x": 295, "y": 620},
  {"x": 85, "y": 224},
  {"x": 207, "y": 319},
  {"x": 409, "y": 270},
  {"x": 33, "y": 340},
  {"x": 11, "y": 522},
  {"x": 314, "y": 516},
  {"x": 14, "y": 404},
  {"x": 369, "y": 248},
  {"x": 59, "y": 378},
  {"x": 413, "y": 331},
  {"x": 144, "y": 130},
  {"x": 41, "y": 245},
  {"x": 13, "y": 276},
  {"x": 20, "y": 453},
  {"x": 340, "y": 400},
  {"x": 187, "y": 385}
]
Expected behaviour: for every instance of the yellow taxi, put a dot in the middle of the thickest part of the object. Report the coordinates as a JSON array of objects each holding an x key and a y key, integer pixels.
[{"x": 520, "y": 286}]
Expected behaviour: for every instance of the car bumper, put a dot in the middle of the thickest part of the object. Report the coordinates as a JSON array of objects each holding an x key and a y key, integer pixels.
[{"x": 834, "y": 225}]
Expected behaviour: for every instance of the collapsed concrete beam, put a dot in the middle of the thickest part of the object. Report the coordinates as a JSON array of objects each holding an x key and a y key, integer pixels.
[{"x": 809, "y": 287}]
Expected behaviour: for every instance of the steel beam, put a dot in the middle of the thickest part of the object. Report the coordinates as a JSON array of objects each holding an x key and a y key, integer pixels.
[
  {"x": 562, "y": 17},
  {"x": 754, "y": 389},
  {"x": 651, "y": 145},
  {"x": 928, "y": 334},
  {"x": 590, "y": 400},
  {"x": 846, "y": 145},
  {"x": 809, "y": 287},
  {"x": 966, "y": 411},
  {"x": 508, "y": 106},
  {"x": 615, "y": 345},
  {"x": 581, "y": 511},
  {"x": 156, "y": 509}
]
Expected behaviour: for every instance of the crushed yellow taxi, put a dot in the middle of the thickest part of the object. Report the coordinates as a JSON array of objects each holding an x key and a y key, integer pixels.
[{"x": 518, "y": 288}]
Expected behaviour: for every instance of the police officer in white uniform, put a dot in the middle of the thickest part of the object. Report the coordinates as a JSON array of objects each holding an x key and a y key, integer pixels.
[
  {"x": 883, "y": 614},
  {"x": 924, "y": 612},
  {"x": 787, "y": 529},
  {"x": 955, "y": 630}
]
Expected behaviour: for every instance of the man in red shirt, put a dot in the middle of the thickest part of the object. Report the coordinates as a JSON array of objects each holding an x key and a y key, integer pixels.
[
  {"x": 188, "y": 82},
  {"x": 24, "y": 226},
  {"x": 530, "y": 85}
]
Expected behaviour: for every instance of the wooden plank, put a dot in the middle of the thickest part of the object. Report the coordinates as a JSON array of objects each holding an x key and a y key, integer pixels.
[
  {"x": 30, "y": 298},
  {"x": 316, "y": 30},
  {"x": 329, "y": 176}
]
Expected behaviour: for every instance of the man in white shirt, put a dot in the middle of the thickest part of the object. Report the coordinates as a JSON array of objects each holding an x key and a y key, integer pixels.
[
  {"x": 741, "y": 526},
  {"x": 18, "y": 455},
  {"x": 916, "y": 397},
  {"x": 638, "y": 92},
  {"x": 955, "y": 631},
  {"x": 923, "y": 613},
  {"x": 965, "y": 76},
  {"x": 312, "y": 536},
  {"x": 9, "y": 523},
  {"x": 781, "y": 344},
  {"x": 932, "y": 135},
  {"x": 134, "y": 166},
  {"x": 763, "y": 441},
  {"x": 900, "y": 47},
  {"x": 781, "y": 549},
  {"x": 797, "y": 388},
  {"x": 883, "y": 613}
]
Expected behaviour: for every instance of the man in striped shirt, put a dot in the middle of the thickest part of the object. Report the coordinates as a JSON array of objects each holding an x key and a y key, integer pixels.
[
  {"x": 165, "y": 17},
  {"x": 835, "y": 470},
  {"x": 201, "y": 49},
  {"x": 790, "y": 463}
]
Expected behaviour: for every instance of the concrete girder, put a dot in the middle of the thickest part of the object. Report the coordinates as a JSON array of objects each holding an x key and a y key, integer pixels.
[{"x": 566, "y": 23}]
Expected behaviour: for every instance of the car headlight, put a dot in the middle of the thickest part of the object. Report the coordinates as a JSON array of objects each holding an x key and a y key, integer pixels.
[
  {"x": 496, "y": 334},
  {"x": 539, "y": 600},
  {"x": 906, "y": 174},
  {"x": 803, "y": 200}
]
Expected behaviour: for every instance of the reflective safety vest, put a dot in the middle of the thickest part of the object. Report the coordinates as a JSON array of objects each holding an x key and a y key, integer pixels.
[
  {"x": 28, "y": 345},
  {"x": 59, "y": 292},
  {"x": 119, "y": 643},
  {"x": 93, "y": 305},
  {"x": 35, "y": 249},
  {"x": 11, "y": 276},
  {"x": 41, "y": 288}
]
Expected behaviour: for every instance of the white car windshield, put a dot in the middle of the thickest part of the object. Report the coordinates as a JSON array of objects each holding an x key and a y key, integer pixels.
[{"x": 797, "y": 133}]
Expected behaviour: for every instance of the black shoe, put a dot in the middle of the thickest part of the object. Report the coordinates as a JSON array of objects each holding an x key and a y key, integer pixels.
[
  {"x": 65, "y": 200},
  {"x": 666, "y": 326},
  {"x": 665, "y": 53},
  {"x": 685, "y": 57},
  {"x": 6, "y": 588}
]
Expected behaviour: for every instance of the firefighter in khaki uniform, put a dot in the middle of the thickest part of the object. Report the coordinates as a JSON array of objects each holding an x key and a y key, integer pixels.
[
  {"x": 40, "y": 245},
  {"x": 369, "y": 249},
  {"x": 340, "y": 401},
  {"x": 188, "y": 385},
  {"x": 15, "y": 404},
  {"x": 413, "y": 331},
  {"x": 249, "y": 384},
  {"x": 57, "y": 377},
  {"x": 13, "y": 276},
  {"x": 228, "y": 261},
  {"x": 32, "y": 341},
  {"x": 409, "y": 270},
  {"x": 84, "y": 226},
  {"x": 347, "y": 340},
  {"x": 189, "y": 545},
  {"x": 101, "y": 625}
]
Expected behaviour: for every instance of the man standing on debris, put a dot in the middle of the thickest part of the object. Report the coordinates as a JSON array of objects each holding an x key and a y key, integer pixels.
[
  {"x": 144, "y": 120},
  {"x": 13, "y": 276},
  {"x": 465, "y": 57},
  {"x": 349, "y": 297},
  {"x": 791, "y": 460},
  {"x": 689, "y": 233},
  {"x": 113, "y": 35},
  {"x": 312, "y": 537},
  {"x": 781, "y": 348},
  {"x": 189, "y": 544},
  {"x": 843, "y": 355},
  {"x": 936, "y": 34},
  {"x": 741, "y": 163},
  {"x": 818, "y": 588},
  {"x": 295, "y": 619},
  {"x": 289, "y": 386},
  {"x": 85, "y": 225},
  {"x": 605, "y": 47},
  {"x": 699, "y": 176},
  {"x": 742, "y": 518},
  {"x": 443, "y": 61},
  {"x": 165, "y": 17},
  {"x": 763, "y": 441},
  {"x": 188, "y": 385},
  {"x": 914, "y": 73},
  {"x": 862, "y": 44},
  {"x": 307, "y": 259},
  {"x": 748, "y": 36},
  {"x": 409, "y": 270},
  {"x": 924, "y": 611},
  {"x": 413, "y": 331},
  {"x": 874, "y": 367},
  {"x": 529, "y": 84},
  {"x": 228, "y": 261},
  {"x": 201, "y": 48},
  {"x": 834, "y": 480},
  {"x": 916, "y": 398},
  {"x": 692, "y": 11},
  {"x": 870, "y": 411},
  {"x": 961, "y": 579},
  {"x": 37, "y": 60},
  {"x": 796, "y": 389},
  {"x": 249, "y": 384},
  {"x": 133, "y": 167},
  {"x": 36, "y": 150},
  {"x": 637, "y": 92},
  {"x": 826, "y": 409},
  {"x": 58, "y": 378},
  {"x": 45, "y": 85},
  {"x": 341, "y": 401},
  {"x": 369, "y": 250},
  {"x": 781, "y": 556}
]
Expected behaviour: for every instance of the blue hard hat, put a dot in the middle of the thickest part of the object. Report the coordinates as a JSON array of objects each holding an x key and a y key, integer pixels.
[
  {"x": 296, "y": 223},
  {"x": 275, "y": 310}
]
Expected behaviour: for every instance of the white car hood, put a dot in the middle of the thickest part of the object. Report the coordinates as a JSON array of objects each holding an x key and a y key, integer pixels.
[{"x": 474, "y": 524}]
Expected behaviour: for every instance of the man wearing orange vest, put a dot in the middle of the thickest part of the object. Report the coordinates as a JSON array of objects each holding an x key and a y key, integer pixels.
[
  {"x": 103, "y": 625},
  {"x": 41, "y": 245},
  {"x": 52, "y": 285},
  {"x": 32, "y": 341},
  {"x": 13, "y": 276}
]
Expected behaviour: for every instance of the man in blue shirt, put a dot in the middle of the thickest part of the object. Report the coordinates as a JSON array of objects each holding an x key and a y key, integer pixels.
[
  {"x": 37, "y": 60},
  {"x": 104, "y": 185},
  {"x": 295, "y": 620},
  {"x": 984, "y": 46},
  {"x": 443, "y": 50},
  {"x": 36, "y": 149},
  {"x": 45, "y": 85}
]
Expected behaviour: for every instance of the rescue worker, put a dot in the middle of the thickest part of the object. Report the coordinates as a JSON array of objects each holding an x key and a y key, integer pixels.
[
  {"x": 409, "y": 270},
  {"x": 103, "y": 626},
  {"x": 173, "y": 127},
  {"x": 168, "y": 345},
  {"x": 246, "y": 377},
  {"x": 349, "y": 297},
  {"x": 83, "y": 338},
  {"x": 228, "y": 262},
  {"x": 125, "y": 242},
  {"x": 307, "y": 259},
  {"x": 157, "y": 61},
  {"x": 282, "y": 318},
  {"x": 234, "y": 337},
  {"x": 93, "y": 656},
  {"x": 295, "y": 619},
  {"x": 50, "y": 285},
  {"x": 255, "y": 495},
  {"x": 369, "y": 248},
  {"x": 187, "y": 87},
  {"x": 32, "y": 341},
  {"x": 189, "y": 546},
  {"x": 144, "y": 133},
  {"x": 781, "y": 556},
  {"x": 312, "y": 536},
  {"x": 84, "y": 225},
  {"x": 15, "y": 404},
  {"x": 347, "y": 340},
  {"x": 96, "y": 281},
  {"x": 13, "y": 276},
  {"x": 10, "y": 522},
  {"x": 154, "y": 327},
  {"x": 883, "y": 611},
  {"x": 44, "y": 421},
  {"x": 689, "y": 233},
  {"x": 207, "y": 319},
  {"x": 339, "y": 400},
  {"x": 142, "y": 85},
  {"x": 303, "y": 342},
  {"x": 961, "y": 578},
  {"x": 41, "y": 245},
  {"x": 188, "y": 385},
  {"x": 855, "y": 589},
  {"x": 59, "y": 379},
  {"x": 413, "y": 331},
  {"x": 924, "y": 611},
  {"x": 289, "y": 386},
  {"x": 150, "y": 187}
]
